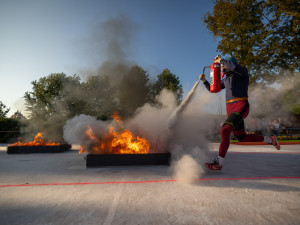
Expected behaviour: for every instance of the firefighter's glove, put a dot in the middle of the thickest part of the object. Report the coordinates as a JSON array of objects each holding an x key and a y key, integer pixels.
[
  {"x": 217, "y": 59},
  {"x": 202, "y": 77}
]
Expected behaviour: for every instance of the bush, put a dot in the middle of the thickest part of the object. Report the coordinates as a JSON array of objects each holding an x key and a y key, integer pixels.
[{"x": 9, "y": 129}]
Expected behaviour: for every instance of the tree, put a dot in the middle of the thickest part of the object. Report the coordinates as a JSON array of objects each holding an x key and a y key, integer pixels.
[
  {"x": 283, "y": 42},
  {"x": 290, "y": 98},
  {"x": 262, "y": 35},
  {"x": 10, "y": 129},
  {"x": 54, "y": 99},
  {"x": 169, "y": 81},
  {"x": 3, "y": 110},
  {"x": 54, "y": 94},
  {"x": 133, "y": 91},
  {"x": 100, "y": 97}
]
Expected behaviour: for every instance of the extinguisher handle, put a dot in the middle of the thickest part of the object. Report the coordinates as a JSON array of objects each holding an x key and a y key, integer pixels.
[{"x": 205, "y": 68}]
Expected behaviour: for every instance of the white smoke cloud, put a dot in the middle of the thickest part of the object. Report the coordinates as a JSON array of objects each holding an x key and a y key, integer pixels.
[
  {"x": 75, "y": 129},
  {"x": 187, "y": 140},
  {"x": 149, "y": 120},
  {"x": 263, "y": 100},
  {"x": 187, "y": 170},
  {"x": 152, "y": 121}
]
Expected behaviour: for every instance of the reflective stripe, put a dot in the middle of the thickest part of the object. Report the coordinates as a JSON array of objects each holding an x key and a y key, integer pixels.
[
  {"x": 231, "y": 124},
  {"x": 236, "y": 99}
]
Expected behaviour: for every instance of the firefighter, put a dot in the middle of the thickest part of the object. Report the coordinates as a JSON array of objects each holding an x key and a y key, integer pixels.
[{"x": 236, "y": 83}]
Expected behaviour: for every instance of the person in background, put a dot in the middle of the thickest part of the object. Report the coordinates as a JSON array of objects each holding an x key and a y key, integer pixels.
[
  {"x": 236, "y": 84},
  {"x": 270, "y": 128},
  {"x": 286, "y": 128},
  {"x": 281, "y": 127},
  {"x": 254, "y": 126},
  {"x": 263, "y": 124},
  {"x": 276, "y": 128}
]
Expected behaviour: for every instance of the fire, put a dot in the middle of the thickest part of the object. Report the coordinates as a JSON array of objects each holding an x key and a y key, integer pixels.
[
  {"x": 38, "y": 141},
  {"x": 117, "y": 142},
  {"x": 117, "y": 118}
]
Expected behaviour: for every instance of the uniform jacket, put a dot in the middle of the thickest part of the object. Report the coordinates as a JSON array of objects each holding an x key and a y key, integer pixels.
[{"x": 236, "y": 82}]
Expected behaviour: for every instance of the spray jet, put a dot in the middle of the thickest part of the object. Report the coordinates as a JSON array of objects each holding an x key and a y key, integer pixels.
[
  {"x": 215, "y": 77},
  {"x": 176, "y": 114}
]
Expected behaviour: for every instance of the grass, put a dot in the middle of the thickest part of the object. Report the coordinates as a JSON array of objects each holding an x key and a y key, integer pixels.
[{"x": 283, "y": 140}]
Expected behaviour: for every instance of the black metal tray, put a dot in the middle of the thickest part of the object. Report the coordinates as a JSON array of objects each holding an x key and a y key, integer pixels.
[
  {"x": 38, "y": 149},
  {"x": 99, "y": 160}
]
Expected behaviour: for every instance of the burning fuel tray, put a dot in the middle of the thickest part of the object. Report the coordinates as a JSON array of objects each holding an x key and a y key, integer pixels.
[
  {"x": 127, "y": 159},
  {"x": 38, "y": 149}
]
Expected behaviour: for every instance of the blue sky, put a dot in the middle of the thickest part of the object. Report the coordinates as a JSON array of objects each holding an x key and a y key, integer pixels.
[{"x": 40, "y": 37}]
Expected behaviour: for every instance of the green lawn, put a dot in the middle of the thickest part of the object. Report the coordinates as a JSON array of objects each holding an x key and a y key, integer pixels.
[{"x": 234, "y": 141}]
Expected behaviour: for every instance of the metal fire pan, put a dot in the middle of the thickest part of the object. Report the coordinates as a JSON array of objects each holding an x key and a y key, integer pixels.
[
  {"x": 37, "y": 149},
  {"x": 100, "y": 160}
]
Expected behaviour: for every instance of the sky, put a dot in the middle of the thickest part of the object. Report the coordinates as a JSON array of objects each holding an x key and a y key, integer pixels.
[{"x": 40, "y": 37}]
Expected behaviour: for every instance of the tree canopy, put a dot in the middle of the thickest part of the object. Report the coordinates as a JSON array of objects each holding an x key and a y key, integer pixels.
[
  {"x": 264, "y": 35},
  {"x": 133, "y": 91},
  {"x": 170, "y": 81},
  {"x": 53, "y": 94},
  {"x": 52, "y": 101},
  {"x": 290, "y": 99},
  {"x": 3, "y": 110},
  {"x": 99, "y": 97},
  {"x": 58, "y": 97}
]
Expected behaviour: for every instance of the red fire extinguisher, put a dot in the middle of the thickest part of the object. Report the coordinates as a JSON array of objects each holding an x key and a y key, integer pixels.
[{"x": 215, "y": 77}]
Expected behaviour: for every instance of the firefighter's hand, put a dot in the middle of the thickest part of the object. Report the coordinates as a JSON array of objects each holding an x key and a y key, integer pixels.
[
  {"x": 217, "y": 59},
  {"x": 202, "y": 77}
]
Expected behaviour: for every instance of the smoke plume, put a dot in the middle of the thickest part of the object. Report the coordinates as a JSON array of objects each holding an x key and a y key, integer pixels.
[
  {"x": 111, "y": 44},
  {"x": 113, "y": 40},
  {"x": 265, "y": 102},
  {"x": 151, "y": 120},
  {"x": 187, "y": 170},
  {"x": 75, "y": 130},
  {"x": 187, "y": 140}
]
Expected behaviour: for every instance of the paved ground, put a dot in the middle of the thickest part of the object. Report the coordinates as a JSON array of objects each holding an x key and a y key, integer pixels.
[{"x": 257, "y": 186}]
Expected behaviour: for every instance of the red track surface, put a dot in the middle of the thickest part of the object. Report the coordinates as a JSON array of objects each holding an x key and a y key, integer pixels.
[
  {"x": 263, "y": 143},
  {"x": 148, "y": 181}
]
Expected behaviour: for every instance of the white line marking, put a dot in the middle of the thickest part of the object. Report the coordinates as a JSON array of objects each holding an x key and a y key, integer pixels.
[{"x": 113, "y": 208}]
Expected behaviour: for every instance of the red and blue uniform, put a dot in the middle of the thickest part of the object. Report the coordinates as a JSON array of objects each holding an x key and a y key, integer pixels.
[{"x": 236, "y": 84}]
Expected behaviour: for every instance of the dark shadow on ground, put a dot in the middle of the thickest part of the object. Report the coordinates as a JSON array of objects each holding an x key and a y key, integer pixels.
[
  {"x": 256, "y": 165},
  {"x": 70, "y": 167}
]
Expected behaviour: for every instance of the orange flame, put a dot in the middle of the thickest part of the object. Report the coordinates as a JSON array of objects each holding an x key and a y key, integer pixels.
[
  {"x": 117, "y": 118},
  {"x": 38, "y": 141},
  {"x": 114, "y": 142}
]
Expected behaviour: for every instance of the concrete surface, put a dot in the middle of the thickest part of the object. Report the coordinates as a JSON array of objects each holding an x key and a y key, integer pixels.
[{"x": 64, "y": 194}]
